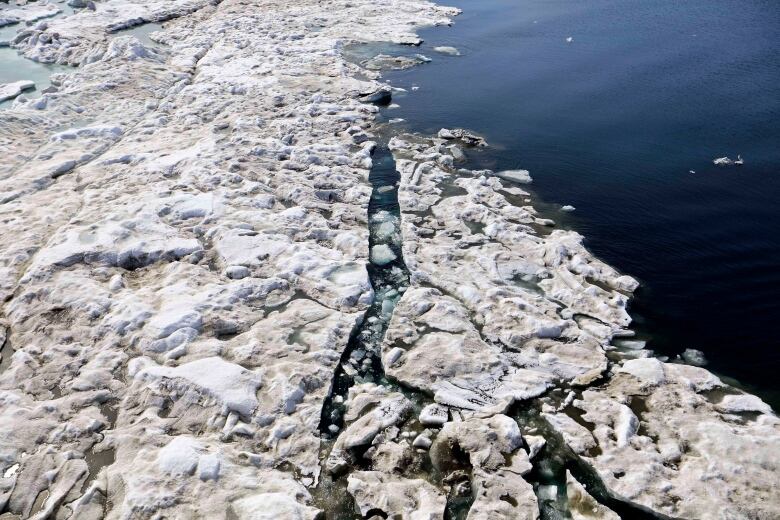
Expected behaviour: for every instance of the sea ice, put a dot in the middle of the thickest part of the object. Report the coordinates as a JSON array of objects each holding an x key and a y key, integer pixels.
[
  {"x": 180, "y": 456},
  {"x": 694, "y": 357},
  {"x": 519, "y": 176},
  {"x": 229, "y": 384},
  {"x": 12, "y": 90},
  {"x": 381, "y": 254},
  {"x": 451, "y": 51}
]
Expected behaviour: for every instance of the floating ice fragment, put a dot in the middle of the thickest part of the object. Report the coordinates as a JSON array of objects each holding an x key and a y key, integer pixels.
[
  {"x": 422, "y": 441},
  {"x": 444, "y": 49},
  {"x": 381, "y": 254},
  {"x": 694, "y": 357},
  {"x": 385, "y": 231},
  {"x": 11, "y": 90},
  {"x": 464, "y": 135},
  {"x": 519, "y": 176},
  {"x": 569, "y": 39},
  {"x": 387, "y": 307},
  {"x": 567, "y": 207},
  {"x": 381, "y": 96},
  {"x": 548, "y": 493},
  {"x": 725, "y": 161}
]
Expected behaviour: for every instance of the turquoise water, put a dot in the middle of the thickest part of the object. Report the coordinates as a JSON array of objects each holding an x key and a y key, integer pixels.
[
  {"x": 15, "y": 67},
  {"x": 612, "y": 123}
]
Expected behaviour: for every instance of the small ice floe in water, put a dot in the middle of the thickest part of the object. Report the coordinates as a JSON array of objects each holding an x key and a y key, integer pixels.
[
  {"x": 568, "y": 207},
  {"x": 691, "y": 171},
  {"x": 569, "y": 39},
  {"x": 452, "y": 51},
  {"x": 381, "y": 96},
  {"x": 11, "y": 90},
  {"x": 519, "y": 176},
  {"x": 396, "y": 120},
  {"x": 464, "y": 135},
  {"x": 381, "y": 254},
  {"x": 725, "y": 161},
  {"x": 694, "y": 357},
  {"x": 415, "y": 87}
]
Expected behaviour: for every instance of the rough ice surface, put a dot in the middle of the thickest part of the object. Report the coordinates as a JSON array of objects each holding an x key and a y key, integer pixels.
[
  {"x": 396, "y": 497},
  {"x": 228, "y": 384},
  {"x": 189, "y": 254},
  {"x": 188, "y": 261},
  {"x": 684, "y": 455},
  {"x": 582, "y": 505}
]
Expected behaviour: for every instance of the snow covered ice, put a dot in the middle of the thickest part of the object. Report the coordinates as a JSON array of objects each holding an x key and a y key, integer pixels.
[{"x": 186, "y": 260}]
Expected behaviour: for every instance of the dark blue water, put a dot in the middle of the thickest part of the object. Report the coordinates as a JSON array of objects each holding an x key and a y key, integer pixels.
[{"x": 611, "y": 123}]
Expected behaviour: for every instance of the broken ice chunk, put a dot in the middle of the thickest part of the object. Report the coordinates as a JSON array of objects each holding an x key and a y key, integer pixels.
[
  {"x": 519, "y": 176},
  {"x": 229, "y": 384},
  {"x": 445, "y": 49},
  {"x": 381, "y": 254},
  {"x": 694, "y": 357},
  {"x": 433, "y": 415},
  {"x": 11, "y": 90},
  {"x": 208, "y": 467}
]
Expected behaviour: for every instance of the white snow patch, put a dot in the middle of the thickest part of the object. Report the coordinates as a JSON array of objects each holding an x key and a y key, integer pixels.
[
  {"x": 229, "y": 384},
  {"x": 743, "y": 403},
  {"x": 648, "y": 370},
  {"x": 11, "y": 90},
  {"x": 180, "y": 456}
]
